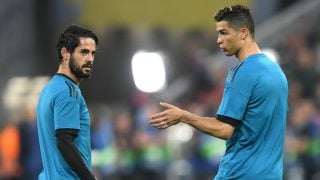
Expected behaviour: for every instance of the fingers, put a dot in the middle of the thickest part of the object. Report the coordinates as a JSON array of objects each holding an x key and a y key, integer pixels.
[
  {"x": 159, "y": 121},
  {"x": 158, "y": 115},
  {"x": 162, "y": 120},
  {"x": 166, "y": 105}
]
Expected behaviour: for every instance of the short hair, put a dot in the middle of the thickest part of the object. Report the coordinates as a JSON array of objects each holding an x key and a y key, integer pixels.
[
  {"x": 70, "y": 38},
  {"x": 238, "y": 16}
]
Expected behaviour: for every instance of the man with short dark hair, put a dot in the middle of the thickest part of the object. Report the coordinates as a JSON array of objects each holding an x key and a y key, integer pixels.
[
  {"x": 252, "y": 114},
  {"x": 62, "y": 114}
]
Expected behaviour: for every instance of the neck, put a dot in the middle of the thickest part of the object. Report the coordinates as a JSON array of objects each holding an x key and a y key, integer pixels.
[
  {"x": 67, "y": 72},
  {"x": 247, "y": 49}
]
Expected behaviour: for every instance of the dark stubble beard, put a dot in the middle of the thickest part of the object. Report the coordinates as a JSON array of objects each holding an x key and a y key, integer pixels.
[{"x": 77, "y": 71}]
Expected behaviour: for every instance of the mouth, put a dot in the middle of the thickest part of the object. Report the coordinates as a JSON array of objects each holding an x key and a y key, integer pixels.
[
  {"x": 223, "y": 49},
  {"x": 87, "y": 67}
]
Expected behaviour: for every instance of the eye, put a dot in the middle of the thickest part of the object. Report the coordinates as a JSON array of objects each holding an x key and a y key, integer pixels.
[
  {"x": 84, "y": 51},
  {"x": 223, "y": 33}
]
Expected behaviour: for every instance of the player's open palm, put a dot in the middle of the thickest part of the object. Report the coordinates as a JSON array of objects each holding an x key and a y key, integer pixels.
[{"x": 170, "y": 116}]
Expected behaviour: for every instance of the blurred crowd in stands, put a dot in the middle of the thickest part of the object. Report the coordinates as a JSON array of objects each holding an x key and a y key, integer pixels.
[{"x": 125, "y": 146}]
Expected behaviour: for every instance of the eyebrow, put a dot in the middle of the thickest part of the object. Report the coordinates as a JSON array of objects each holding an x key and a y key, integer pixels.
[
  {"x": 85, "y": 50},
  {"x": 221, "y": 30}
]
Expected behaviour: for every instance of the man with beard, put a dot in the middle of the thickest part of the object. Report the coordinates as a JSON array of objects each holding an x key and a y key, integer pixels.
[{"x": 62, "y": 115}]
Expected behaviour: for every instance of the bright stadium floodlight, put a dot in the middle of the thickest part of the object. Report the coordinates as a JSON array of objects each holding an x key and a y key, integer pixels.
[
  {"x": 272, "y": 54},
  {"x": 148, "y": 71}
]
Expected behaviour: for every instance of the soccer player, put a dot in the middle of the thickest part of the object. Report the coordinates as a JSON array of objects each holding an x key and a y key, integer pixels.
[
  {"x": 252, "y": 113},
  {"x": 62, "y": 114}
]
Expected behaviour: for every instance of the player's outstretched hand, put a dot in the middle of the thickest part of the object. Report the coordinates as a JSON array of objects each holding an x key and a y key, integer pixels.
[{"x": 170, "y": 116}]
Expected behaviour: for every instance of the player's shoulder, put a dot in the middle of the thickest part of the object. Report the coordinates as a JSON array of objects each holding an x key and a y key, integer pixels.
[
  {"x": 61, "y": 85},
  {"x": 259, "y": 63},
  {"x": 251, "y": 68}
]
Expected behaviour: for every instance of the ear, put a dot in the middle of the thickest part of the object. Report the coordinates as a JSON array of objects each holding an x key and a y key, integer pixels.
[
  {"x": 65, "y": 54},
  {"x": 244, "y": 33}
]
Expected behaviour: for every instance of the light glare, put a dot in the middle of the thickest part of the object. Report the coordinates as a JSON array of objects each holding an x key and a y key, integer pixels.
[
  {"x": 148, "y": 71},
  {"x": 272, "y": 54}
]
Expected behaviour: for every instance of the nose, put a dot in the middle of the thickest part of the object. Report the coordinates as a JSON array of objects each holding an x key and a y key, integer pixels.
[
  {"x": 91, "y": 57},
  {"x": 219, "y": 40}
]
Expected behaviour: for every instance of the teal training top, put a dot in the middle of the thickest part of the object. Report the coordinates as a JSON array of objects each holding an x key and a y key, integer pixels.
[
  {"x": 256, "y": 94},
  {"x": 61, "y": 105}
]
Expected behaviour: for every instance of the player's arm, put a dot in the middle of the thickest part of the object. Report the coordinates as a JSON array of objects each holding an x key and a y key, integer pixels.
[
  {"x": 65, "y": 142},
  {"x": 221, "y": 127},
  {"x": 218, "y": 127}
]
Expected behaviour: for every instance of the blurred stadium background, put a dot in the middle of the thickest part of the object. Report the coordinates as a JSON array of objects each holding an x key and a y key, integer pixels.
[{"x": 180, "y": 37}]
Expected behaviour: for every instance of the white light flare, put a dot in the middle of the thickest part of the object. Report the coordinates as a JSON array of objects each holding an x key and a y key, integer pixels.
[
  {"x": 148, "y": 71},
  {"x": 272, "y": 54}
]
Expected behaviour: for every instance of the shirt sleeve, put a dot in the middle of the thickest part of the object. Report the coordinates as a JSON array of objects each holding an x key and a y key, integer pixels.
[
  {"x": 228, "y": 120},
  {"x": 66, "y": 111},
  {"x": 237, "y": 94},
  {"x": 233, "y": 103}
]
